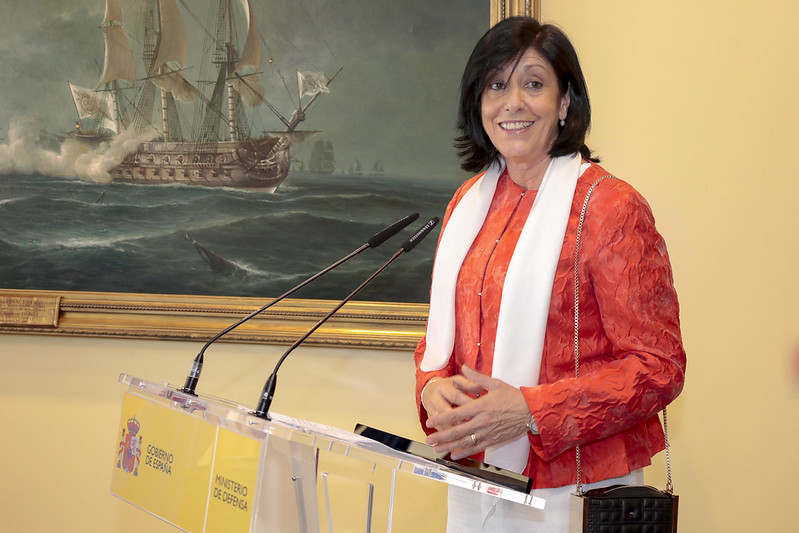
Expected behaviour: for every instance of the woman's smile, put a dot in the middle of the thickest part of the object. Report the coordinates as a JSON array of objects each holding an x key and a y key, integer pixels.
[{"x": 515, "y": 126}]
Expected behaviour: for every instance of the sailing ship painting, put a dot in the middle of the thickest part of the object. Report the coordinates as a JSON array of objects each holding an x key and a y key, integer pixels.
[
  {"x": 219, "y": 147},
  {"x": 134, "y": 160}
]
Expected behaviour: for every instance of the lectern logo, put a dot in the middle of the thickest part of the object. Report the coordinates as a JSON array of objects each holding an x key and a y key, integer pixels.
[{"x": 130, "y": 447}]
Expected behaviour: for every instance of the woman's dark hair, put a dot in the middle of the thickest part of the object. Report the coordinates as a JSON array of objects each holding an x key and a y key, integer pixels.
[{"x": 503, "y": 44}]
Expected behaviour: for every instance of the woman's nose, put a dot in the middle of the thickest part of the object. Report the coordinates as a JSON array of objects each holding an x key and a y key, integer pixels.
[{"x": 514, "y": 100}]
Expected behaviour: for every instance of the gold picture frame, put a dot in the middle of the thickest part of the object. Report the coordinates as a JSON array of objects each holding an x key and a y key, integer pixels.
[
  {"x": 385, "y": 325},
  {"x": 502, "y": 9}
]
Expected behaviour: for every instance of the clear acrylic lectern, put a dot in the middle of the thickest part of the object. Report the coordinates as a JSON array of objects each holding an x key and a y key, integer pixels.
[{"x": 205, "y": 464}]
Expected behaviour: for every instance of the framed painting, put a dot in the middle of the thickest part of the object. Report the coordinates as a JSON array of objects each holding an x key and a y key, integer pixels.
[{"x": 169, "y": 168}]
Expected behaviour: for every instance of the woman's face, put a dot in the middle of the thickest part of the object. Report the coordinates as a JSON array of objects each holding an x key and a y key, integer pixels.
[{"x": 521, "y": 106}]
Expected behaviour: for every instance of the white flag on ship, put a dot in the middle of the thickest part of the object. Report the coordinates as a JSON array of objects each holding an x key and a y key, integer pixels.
[{"x": 312, "y": 83}]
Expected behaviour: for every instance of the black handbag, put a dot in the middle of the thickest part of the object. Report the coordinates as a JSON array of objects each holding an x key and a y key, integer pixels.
[
  {"x": 618, "y": 508},
  {"x": 628, "y": 509}
]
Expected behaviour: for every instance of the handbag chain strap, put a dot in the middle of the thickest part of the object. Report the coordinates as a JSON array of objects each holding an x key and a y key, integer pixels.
[{"x": 669, "y": 486}]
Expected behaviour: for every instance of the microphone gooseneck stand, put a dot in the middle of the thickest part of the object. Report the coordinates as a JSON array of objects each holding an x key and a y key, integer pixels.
[{"x": 268, "y": 392}]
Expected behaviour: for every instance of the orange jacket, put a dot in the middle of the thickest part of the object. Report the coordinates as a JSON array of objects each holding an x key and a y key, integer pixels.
[{"x": 632, "y": 362}]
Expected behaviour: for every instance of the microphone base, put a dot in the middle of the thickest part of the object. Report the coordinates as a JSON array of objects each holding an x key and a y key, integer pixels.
[
  {"x": 267, "y": 395},
  {"x": 262, "y": 416}
]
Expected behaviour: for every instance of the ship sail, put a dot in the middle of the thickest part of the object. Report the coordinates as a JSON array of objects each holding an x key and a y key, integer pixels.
[
  {"x": 119, "y": 62},
  {"x": 246, "y": 80},
  {"x": 170, "y": 50}
]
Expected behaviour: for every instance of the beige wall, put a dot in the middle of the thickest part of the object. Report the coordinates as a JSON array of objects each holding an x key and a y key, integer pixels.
[{"x": 695, "y": 105}]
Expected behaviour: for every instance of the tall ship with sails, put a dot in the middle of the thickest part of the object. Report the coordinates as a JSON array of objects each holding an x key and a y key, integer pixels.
[
  {"x": 221, "y": 149},
  {"x": 323, "y": 159}
]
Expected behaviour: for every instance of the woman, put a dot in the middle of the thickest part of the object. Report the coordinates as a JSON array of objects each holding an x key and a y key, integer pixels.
[{"x": 495, "y": 370}]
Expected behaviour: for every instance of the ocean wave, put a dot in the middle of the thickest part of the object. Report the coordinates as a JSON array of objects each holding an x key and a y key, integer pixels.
[
  {"x": 8, "y": 201},
  {"x": 94, "y": 242}
]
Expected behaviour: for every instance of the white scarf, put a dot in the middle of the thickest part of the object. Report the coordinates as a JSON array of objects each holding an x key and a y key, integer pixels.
[{"x": 526, "y": 293}]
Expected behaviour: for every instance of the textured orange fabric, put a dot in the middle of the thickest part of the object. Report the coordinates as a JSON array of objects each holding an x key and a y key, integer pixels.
[{"x": 632, "y": 361}]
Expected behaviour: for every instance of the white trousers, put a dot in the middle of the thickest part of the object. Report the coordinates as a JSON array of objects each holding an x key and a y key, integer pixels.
[{"x": 474, "y": 512}]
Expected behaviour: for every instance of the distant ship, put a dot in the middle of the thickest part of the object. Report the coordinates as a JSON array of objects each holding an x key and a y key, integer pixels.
[
  {"x": 356, "y": 169},
  {"x": 322, "y": 160},
  {"x": 221, "y": 150},
  {"x": 377, "y": 169}
]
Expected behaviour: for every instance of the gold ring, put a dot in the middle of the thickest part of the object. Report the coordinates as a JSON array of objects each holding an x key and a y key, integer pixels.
[{"x": 474, "y": 439}]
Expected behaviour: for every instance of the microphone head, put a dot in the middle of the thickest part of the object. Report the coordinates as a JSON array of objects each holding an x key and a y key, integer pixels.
[
  {"x": 420, "y": 234},
  {"x": 386, "y": 233}
]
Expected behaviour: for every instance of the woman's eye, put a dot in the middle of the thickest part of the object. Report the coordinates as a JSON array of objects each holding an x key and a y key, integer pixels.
[
  {"x": 534, "y": 84},
  {"x": 496, "y": 85}
]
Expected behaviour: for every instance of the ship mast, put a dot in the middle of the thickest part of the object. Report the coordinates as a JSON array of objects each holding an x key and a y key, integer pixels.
[
  {"x": 166, "y": 70},
  {"x": 242, "y": 77},
  {"x": 118, "y": 63},
  {"x": 165, "y": 134},
  {"x": 238, "y": 78},
  {"x": 228, "y": 66}
]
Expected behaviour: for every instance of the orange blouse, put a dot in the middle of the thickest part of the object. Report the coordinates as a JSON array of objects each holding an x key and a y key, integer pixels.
[{"x": 632, "y": 362}]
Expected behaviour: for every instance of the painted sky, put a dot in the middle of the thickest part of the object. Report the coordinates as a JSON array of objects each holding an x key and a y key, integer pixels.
[{"x": 394, "y": 100}]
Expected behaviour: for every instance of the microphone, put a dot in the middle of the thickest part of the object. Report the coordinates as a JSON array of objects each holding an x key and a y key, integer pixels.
[
  {"x": 268, "y": 392},
  {"x": 374, "y": 241}
]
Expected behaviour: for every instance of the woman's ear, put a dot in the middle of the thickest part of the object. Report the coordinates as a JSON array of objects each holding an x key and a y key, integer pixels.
[{"x": 564, "y": 103}]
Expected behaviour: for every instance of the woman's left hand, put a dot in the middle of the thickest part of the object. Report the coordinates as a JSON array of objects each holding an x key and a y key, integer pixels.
[{"x": 497, "y": 416}]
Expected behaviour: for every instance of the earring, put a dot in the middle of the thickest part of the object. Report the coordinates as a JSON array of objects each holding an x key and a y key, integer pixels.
[{"x": 562, "y": 122}]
